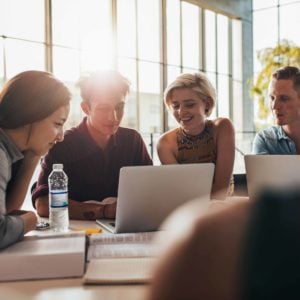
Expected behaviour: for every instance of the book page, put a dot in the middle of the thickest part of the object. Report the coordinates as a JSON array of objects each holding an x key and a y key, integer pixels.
[
  {"x": 105, "y": 245},
  {"x": 119, "y": 270},
  {"x": 109, "y": 238}
]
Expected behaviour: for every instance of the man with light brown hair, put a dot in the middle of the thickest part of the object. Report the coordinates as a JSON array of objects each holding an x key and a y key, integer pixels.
[{"x": 94, "y": 152}]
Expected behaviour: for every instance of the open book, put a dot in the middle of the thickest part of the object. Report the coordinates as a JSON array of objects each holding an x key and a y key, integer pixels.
[
  {"x": 47, "y": 256},
  {"x": 119, "y": 270},
  {"x": 107, "y": 245}
]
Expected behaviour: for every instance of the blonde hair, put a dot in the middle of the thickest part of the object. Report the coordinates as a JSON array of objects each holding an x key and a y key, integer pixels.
[{"x": 197, "y": 82}]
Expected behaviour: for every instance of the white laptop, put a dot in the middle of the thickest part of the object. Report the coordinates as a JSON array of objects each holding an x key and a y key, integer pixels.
[
  {"x": 271, "y": 171},
  {"x": 147, "y": 194}
]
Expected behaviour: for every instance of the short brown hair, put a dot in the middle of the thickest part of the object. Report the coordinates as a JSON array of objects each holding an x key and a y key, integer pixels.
[{"x": 289, "y": 73}]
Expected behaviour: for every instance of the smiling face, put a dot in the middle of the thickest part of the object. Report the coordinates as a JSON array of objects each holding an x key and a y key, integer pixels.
[
  {"x": 284, "y": 101},
  {"x": 188, "y": 109},
  {"x": 105, "y": 113},
  {"x": 45, "y": 133}
]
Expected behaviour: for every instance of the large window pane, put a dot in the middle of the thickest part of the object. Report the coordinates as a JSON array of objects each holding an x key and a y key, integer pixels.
[
  {"x": 257, "y": 4},
  {"x": 66, "y": 64},
  {"x": 263, "y": 37},
  {"x": 213, "y": 79},
  {"x": 287, "y": 1},
  {"x": 190, "y": 35},
  {"x": 96, "y": 38},
  {"x": 23, "y": 19},
  {"x": 22, "y": 56},
  {"x": 223, "y": 44},
  {"x": 148, "y": 30},
  {"x": 150, "y": 98},
  {"x": 149, "y": 77},
  {"x": 237, "y": 62},
  {"x": 127, "y": 67},
  {"x": 126, "y": 28},
  {"x": 1, "y": 59},
  {"x": 131, "y": 112},
  {"x": 210, "y": 41},
  {"x": 2, "y": 16},
  {"x": 149, "y": 112},
  {"x": 173, "y": 32},
  {"x": 65, "y": 22},
  {"x": 289, "y": 22},
  {"x": 237, "y": 105},
  {"x": 173, "y": 72},
  {"x": 223, "y": 96}
]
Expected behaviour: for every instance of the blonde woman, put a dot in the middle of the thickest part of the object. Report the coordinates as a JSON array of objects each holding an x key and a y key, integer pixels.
[{"x": 191, "y": 99}]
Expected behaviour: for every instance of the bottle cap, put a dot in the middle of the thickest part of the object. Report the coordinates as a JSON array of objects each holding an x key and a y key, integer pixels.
[{"x": 57, "y": 166}]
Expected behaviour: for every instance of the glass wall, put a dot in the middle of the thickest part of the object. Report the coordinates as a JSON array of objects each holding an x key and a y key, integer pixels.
[
  {"x": 281, "y": 16},
  {"x": 150, "y": 42},
  {"x": 273, "y": 22}
]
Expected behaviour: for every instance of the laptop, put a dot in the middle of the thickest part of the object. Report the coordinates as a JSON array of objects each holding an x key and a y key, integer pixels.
[
  {"x": 148, "y": 194},
  {"x": 265, "y": 171}
]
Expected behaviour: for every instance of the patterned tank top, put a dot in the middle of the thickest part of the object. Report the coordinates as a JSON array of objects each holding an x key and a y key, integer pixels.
[{"x": 196, "y": 149}]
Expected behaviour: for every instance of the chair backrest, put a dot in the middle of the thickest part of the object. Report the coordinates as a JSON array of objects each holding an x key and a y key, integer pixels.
[{"x": 240, "y": 185}]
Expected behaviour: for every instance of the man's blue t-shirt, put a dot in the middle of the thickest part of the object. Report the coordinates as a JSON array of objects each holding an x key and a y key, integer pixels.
[{"x": 273, "y": 140}]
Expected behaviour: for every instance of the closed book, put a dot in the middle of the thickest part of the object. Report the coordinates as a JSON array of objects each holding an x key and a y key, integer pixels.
[
  {"x": 44, "y": 257},
  {"x": 119, "y": 270}
]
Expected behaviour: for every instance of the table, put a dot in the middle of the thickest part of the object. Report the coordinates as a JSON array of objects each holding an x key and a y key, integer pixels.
[
  {"x": 70, "y": 288},
  {"x": 67, "y": 289}
]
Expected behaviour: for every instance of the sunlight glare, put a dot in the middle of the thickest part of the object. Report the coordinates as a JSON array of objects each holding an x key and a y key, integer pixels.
[{"x": 97, "y": 53}]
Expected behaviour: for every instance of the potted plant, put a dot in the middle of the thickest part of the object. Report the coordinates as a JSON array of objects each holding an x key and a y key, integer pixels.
[{"x": 284, "y": 54}]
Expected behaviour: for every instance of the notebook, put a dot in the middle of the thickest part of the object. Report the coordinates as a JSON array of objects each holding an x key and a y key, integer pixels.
[
  {"x": 119, "y": 270},
  {"x": 148, "y": 194},
  {"x": 271, "y": 171},
  {"x": 46, "y": 256}
]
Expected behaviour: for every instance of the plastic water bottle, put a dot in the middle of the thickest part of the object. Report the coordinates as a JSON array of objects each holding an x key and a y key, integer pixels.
[{"x": 58, "y": 199}]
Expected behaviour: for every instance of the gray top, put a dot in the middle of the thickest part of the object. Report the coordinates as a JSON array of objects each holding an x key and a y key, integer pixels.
[
  {"x": 11, "y": 227},
  {"x": 273, "y": 140}
]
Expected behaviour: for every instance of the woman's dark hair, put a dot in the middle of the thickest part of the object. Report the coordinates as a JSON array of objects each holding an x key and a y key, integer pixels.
[{"x": 29, "y": 97}]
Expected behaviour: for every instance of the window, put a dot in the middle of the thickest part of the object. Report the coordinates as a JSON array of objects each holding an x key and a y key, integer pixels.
[
  {"x": 149, "y": 42},
  {"x": 22, "y": 42}
]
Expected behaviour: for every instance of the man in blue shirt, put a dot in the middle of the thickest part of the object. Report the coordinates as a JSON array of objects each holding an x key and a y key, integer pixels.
[{"x": 284, "y": 93}]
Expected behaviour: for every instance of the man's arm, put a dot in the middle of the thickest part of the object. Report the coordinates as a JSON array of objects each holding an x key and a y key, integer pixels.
[{"x": 79, "y": 210}]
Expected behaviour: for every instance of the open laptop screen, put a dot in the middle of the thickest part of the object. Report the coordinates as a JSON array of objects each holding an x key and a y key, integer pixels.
[
  {"x": 271, "y": 171},
  {"x": 147, "y": 194}
]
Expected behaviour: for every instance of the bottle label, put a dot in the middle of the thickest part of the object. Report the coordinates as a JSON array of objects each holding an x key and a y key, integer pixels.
[{"x": 58, "y": 199}]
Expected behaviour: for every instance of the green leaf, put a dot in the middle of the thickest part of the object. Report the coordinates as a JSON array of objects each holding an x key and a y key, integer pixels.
[{"x": 285, "y": 53}]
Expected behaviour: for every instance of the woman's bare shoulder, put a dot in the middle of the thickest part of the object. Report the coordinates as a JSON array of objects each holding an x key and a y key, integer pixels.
[
  {"x": 168, "y": 137},
  {"x": 222, "y": 125}
]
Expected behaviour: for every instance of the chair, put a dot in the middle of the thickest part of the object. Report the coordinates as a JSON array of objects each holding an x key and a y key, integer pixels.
[{"x": 240, "y": 185}]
